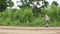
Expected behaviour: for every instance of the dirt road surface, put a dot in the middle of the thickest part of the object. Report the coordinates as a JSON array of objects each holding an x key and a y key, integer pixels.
[{"x": 29, "y": 30}]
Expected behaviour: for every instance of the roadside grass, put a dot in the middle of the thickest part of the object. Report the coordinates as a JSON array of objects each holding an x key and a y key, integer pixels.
[{"x": 26, "y": 18}]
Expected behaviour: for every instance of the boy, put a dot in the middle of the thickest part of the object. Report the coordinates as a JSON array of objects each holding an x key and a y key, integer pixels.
[{"x": 47, "y": 20}]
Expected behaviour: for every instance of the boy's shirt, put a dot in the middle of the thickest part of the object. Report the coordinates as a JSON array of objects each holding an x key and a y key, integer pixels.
[{"x": 47, "y": 18}]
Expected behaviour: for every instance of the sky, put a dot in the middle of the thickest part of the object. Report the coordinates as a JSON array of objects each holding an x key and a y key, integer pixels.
[{"x": 50, "y": 2}]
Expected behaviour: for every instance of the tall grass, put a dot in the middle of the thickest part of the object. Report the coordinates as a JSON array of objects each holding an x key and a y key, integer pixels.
[{"x": 26, "y": 17}]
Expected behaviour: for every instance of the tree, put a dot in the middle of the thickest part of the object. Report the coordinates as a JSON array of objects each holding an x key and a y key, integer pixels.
[
  {"x": 55, "y": 3},
  {"x": 45, "y": 3},
  {"x": 3, "y": 5},
  {"x": 10, "y": 3},
  {"x": 35, "y": 9}
]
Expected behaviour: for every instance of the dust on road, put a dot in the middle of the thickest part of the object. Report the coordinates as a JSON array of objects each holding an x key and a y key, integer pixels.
[{"x": 29, "y": 30}]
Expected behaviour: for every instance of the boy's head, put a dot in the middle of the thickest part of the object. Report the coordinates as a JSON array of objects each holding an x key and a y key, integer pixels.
[{"x": 45, "y": 13}]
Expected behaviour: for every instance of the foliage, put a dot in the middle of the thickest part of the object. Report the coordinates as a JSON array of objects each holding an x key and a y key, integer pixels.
[
  {"x": 46, "y": 4},
  {"x": 10, "y": 3},
  {"x": 55, "y": 3},
  {"x": 3, "y": 5},
  {"x": 26, "y": 17}
]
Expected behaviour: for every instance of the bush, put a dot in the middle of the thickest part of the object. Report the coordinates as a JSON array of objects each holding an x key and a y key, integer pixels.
[{"x": 26, "y": 17}]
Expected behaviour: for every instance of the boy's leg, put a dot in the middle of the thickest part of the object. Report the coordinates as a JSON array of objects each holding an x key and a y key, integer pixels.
[{"x": 47, "y": 24}]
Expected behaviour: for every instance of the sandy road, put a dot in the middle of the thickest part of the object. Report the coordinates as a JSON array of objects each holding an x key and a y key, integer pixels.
[{"x": 29, "y": 30}]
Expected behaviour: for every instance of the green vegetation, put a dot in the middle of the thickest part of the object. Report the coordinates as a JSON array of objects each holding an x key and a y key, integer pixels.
[
  {"x": 3, "y": 5},
  {"x": 26, "y": 16}
]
